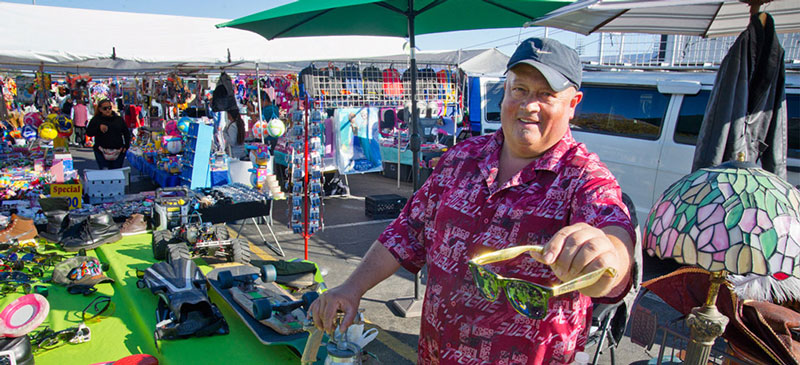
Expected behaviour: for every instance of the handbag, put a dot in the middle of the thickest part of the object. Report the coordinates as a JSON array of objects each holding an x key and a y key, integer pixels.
[
  {"x": 110, "y": 154},
  {"x": 760, "y": 332}
]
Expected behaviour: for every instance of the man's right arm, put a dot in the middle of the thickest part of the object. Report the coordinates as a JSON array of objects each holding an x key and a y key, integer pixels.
[{"x": 377, "y": 265}]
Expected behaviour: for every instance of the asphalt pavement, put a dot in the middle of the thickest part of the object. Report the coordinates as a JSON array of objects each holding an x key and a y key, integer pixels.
[{"x": 347, "y": 236}]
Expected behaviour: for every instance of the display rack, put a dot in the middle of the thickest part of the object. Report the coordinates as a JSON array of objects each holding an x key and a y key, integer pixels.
[
  {"x": 380, "y": 85},
  {"x": 305, "y": 203},
  {"x": 195, "y": 164}
]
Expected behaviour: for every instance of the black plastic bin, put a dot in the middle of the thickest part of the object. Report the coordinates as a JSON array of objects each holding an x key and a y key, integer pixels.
[{"x": 384, "y": 206}]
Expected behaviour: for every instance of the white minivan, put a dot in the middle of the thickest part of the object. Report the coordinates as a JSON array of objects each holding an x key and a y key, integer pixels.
[{"x": 644, "y": 125}]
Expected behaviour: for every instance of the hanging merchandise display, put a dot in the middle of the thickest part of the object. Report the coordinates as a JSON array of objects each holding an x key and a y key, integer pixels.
[
  {"x": 305, "y": 203},
  {"x": 357, "y": 140}
]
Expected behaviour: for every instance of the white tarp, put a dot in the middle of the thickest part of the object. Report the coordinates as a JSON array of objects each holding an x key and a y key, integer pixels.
[{"x": 68, "y": 39}]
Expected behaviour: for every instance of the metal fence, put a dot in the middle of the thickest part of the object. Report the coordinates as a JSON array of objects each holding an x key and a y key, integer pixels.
[{"x": 669, "y": 52}]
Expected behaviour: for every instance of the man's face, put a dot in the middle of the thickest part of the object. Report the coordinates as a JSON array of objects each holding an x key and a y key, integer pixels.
[{"x": 533, "y": 116}]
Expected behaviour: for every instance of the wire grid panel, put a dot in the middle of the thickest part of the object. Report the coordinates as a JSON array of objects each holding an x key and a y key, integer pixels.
[
  {"x": 673, "y": 51},
  {"x": 379, "y": 85}
]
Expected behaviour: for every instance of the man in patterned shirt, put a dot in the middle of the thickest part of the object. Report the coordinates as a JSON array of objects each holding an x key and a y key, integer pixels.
[{"x": 529, "y": 183}]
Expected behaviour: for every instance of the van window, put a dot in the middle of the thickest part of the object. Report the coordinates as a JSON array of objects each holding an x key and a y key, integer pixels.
[
  {"x": 494, "y": 96},
  {"x": 793, "y": 116},
  {"x": 629, "y": 112},
  {"x": 693, "y": 108},
  {"x": 690, "y": 118}
]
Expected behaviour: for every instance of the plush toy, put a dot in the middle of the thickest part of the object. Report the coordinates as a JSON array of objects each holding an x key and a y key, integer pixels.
[
  {"x": 183, "y": 124},
  {"x": 64, "y": 126},
  {"x": 29, "y": 132},
  {"x": 34, "y": 118},
  {"x": 276, "y": 128},
  {"x": 52, "y": 118},
  {"x": 172, "y": 144},
  {"x": 48, "y": 131},
  {"x": 171, "y": 128},
  {"x": 259, "y": 154}
]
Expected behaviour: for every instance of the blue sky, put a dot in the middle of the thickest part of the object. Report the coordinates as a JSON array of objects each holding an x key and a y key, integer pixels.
[{"x": 503, "y": 39}]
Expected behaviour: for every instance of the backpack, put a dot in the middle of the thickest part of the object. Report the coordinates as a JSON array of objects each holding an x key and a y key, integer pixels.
[
  {"x": 223, "y": 97},
  {"x": 352, "y": 80},
  {"x": 372, "y": 81},
  {"x": 392, "y": 83}
]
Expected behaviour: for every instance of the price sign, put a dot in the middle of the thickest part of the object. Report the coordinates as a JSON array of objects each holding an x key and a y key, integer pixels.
[{"x": 74, "y": 193}]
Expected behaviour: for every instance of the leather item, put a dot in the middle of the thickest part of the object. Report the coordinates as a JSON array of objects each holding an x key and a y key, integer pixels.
[
  {"x": 134, "y": 225},
  {"x": 20, "y": 347},
  {"x": 90, "y": 233},
  {"x": 749, "y": 333},
  {"x": 19, "y": 228},
  {"x": 55, "y": 225}
]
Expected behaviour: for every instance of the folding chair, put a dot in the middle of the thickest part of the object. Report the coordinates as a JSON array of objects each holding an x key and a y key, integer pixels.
[{"x": 610, "y": 320}]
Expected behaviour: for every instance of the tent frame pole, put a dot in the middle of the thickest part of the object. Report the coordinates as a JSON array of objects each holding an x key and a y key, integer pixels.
[{"x": 412, "y": 307}]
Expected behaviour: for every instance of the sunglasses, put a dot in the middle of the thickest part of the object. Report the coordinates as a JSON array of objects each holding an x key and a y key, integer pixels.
[
  {"x": 105, "y": 108},
  {"x": 528, "y": 299},
  {"x": 99, "y": 308},
  {"x": 8, "y": 288},
  {"x": 47, "y": 339}
]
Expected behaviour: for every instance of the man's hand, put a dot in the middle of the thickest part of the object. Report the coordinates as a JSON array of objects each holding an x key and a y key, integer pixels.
[
  {"x": 342, "y": 298},
  {"x": 580, "y": 249},
  {"x": 103, "y": 128}
]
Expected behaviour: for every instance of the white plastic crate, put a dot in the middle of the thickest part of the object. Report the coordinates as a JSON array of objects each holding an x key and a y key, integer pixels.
[{"x": 103, "y": 186}]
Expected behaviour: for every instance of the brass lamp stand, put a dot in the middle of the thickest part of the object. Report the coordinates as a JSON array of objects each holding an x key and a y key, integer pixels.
[{"x": 706, "y": 324}]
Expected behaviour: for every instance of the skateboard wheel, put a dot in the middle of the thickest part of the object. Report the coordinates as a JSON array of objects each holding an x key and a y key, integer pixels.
[
  {"x": 225, "y": 279},
  {"x": 262, "y": 309},
  {"x": 269, "y": 273},
  {"x": 309, "y": 298}
]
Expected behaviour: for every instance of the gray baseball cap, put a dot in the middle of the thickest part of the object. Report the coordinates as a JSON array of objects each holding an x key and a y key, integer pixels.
[{"x": 559, "y": 64}]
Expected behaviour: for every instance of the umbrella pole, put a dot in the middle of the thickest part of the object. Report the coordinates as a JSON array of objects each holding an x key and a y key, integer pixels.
[{"x": 412, "y": 307}]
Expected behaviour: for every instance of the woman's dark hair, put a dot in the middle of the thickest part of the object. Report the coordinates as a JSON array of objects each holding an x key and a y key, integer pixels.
[
  {"x": 237, "y": 118},
  {"x": 265, "y": 97},
  {"x": 100, "y": 103}
]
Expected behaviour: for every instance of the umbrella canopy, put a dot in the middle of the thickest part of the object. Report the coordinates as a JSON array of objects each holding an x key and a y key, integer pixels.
[
  {"x": 707, "y": 18},
  {"x": 390, "y": 17},
  {"x": 734, "y": 217}
]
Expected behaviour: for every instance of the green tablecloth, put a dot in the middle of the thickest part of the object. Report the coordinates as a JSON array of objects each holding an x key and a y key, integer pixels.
[{"x": 129, "y": 330}]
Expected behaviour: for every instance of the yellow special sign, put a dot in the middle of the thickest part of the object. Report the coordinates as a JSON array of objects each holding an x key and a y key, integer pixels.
[{"x": 74, "y": 193}]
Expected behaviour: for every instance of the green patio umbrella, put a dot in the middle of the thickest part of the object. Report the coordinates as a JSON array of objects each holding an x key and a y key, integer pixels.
[
  {"x": 392, "y": 18},
  {"x": 399, "y": 18}
]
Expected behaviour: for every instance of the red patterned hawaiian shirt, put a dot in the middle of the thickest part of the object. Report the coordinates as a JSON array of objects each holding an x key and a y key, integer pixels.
[{"x": 461, "y": 212}]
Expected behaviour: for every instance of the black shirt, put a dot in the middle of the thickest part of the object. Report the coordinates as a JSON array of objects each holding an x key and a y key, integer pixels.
[{"x": 117, "y": 136}]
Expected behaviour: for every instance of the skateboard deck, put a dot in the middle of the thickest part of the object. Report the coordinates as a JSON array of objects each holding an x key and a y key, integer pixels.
[{"x": 280, "y": 329}]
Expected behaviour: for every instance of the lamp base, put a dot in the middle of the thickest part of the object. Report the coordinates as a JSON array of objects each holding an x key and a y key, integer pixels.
[{"x": 706, "y": 323}]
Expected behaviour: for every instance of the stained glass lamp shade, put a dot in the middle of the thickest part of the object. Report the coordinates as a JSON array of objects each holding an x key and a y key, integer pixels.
[{"x": 734, "y": 217}]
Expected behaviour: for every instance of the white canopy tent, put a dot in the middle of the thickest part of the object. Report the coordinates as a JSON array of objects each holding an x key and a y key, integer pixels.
[{"x": 109, "y": 42}]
